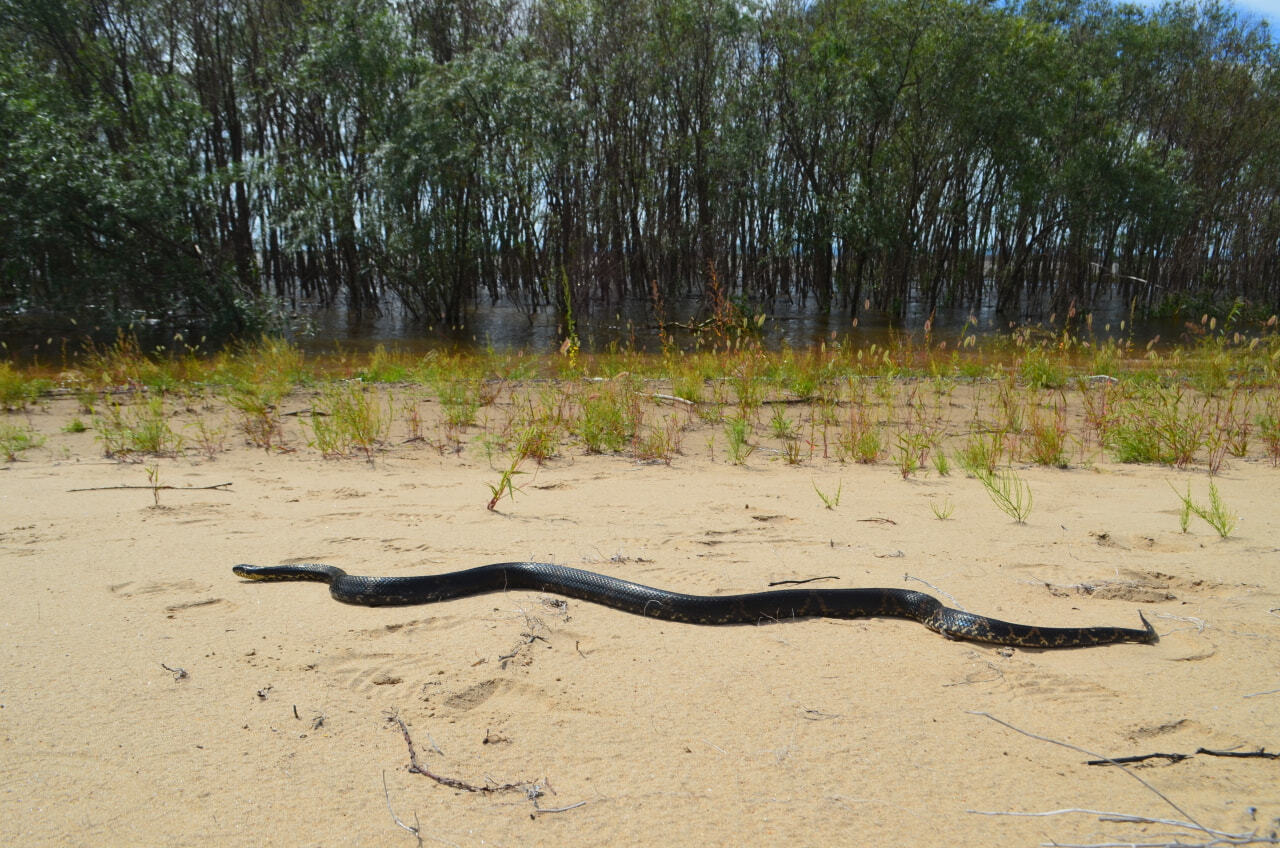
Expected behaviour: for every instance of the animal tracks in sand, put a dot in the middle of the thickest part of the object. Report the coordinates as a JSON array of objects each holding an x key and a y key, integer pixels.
[
  {"x": 476, "y": 694},
  {"x": 134, "y": 590},
  {"x": 1032, "y": 680},
  {"x": 365, "y": 671},
  {"x": 200, "y": 603},
  {"x": 192, "y": 605},
  {"x": 23, "y": 541},
  {"x": 1164, "y": 543}
]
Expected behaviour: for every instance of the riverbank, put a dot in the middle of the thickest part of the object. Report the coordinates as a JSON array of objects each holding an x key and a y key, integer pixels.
[{"x": 151, "y": 697}]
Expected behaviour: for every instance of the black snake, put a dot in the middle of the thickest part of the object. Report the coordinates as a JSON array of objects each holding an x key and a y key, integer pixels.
[{"x": 694, "y": 609}]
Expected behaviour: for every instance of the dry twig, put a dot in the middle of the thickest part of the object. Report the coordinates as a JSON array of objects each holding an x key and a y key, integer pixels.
[
  {"x": 1215, "y": 837},
  {"x": 414, "y": 828},
  {"x": 798, "y": 582},
  {"x": 153, "y": 488},
  {"x": 1221, "y": 837},
  {"x": 950, "y": 597},
  {"x": 1195, "y": 824},
  {"x": 531, "y": 790}
]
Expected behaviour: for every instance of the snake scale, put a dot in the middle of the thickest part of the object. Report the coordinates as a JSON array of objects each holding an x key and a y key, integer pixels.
[{"x": 694, "y": 609}]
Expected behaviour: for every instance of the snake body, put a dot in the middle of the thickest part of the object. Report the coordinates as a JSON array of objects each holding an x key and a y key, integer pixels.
[{"x": 750, "y": 608}]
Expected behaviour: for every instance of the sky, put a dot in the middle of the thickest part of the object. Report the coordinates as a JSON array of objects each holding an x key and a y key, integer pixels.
[{"x": 1268, "y": 9}]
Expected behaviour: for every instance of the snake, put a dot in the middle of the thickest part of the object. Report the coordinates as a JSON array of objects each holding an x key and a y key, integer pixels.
[{"x": 751, "y": 608}]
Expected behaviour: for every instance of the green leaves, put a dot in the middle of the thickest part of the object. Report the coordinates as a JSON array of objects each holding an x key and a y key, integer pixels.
[{"x": 162, "y": 158}]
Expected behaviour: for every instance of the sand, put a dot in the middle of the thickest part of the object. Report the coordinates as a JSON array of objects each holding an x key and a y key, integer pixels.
[{"x": 150, "y": 697}]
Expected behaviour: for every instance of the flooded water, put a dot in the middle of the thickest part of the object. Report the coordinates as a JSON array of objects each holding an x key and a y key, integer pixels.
[{"x": 504, "y": 327}]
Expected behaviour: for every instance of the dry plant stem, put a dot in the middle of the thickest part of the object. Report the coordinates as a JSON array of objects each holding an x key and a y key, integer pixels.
[
  {"x": 1104, "y": 815},
  {"x": 170, "y": 488},
  {"x": 415, "y": 829},
  {"x": 529, "y": 789},
  {"x": 1098, "y": 756},
  {"x": 1176, "y": 843},
  {"x": 153, "y": 474},
  {"x": 1261, "y": 754},
  {"x": 416, "y": 767},
  {"x": 1256, "y": 694},
  {"x": 950, "y": 597}
]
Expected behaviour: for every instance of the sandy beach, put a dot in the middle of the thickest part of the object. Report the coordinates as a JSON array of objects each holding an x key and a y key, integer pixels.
[{"x": 150, "y": 697}]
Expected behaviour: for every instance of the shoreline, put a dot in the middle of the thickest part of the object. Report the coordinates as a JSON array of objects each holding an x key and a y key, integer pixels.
[{"x": 280, "y": 730}]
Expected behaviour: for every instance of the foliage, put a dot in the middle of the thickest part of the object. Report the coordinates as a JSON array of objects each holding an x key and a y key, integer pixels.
[
  {"x": 736, "y": 432},
  {"x": 1216, "y": 514},
  {"x": 139, "y": 428},
  {"x": 347, "y": 418},
  {"x": 1009, "y": 492},
  {"x": 14, "y": 440},
  {"x": 1157, "y": 425},
  {"x": 829, "y": 501},
  {"x": 213, "y": 160},
  {"x": 609, "y": 419},
  {"x": 18, "y": 390}
]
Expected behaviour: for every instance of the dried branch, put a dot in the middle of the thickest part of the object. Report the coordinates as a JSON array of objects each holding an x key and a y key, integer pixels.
[
  {"x": 1260, "y": 754},
  {"x": 416, "y": 767},
  {"x": 414, "y": 828},
  {"x": 1106, "y": 816},
  {"x": 1077, "y": 748},
  {"x": 152, "y": 488}
]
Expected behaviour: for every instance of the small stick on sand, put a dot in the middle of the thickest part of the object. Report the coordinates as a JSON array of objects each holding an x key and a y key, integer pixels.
[
  {"x": 1261, "y": 754},
  {"x": 416, "y": 767},
  {"x": 950, "y": 597},
  {"x": 1222, "y": 837},
  {"x": 1138, "y": 758},
  {"x": 1268, "y": 692},
  {"x": 1077, "y": 748},
  {"x": 414, "y": 828},
  {"x": 178, "y": 672},
  {"x": 672, "y": 399},
  {"x": 152, "y": 488}
]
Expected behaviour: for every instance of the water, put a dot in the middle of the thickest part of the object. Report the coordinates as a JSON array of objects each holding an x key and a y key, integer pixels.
[{"x": 630, "y": 326}]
